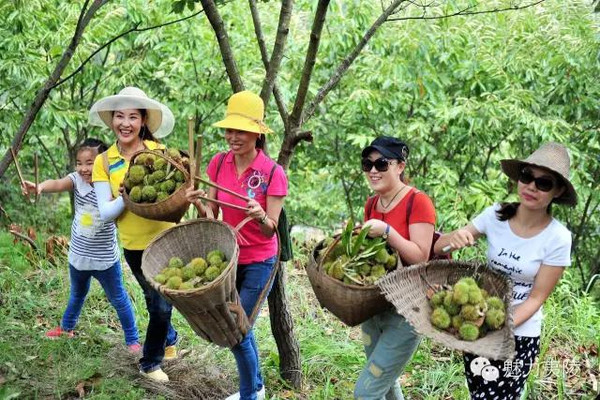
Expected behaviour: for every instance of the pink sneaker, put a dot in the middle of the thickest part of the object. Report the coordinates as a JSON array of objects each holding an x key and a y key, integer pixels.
[
  {"x": 58, "y": 332},
  {"x": 134, "y": 348}
]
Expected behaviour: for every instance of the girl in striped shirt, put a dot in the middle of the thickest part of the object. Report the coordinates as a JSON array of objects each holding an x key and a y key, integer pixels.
[{"x": 93, "y": 250}]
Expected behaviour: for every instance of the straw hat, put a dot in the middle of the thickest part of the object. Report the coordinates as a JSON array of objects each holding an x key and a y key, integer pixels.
[
  {"x": 553, "y": 157},
  {"x": 245, "y": 112},
  {"x": 159, "y": 118}
]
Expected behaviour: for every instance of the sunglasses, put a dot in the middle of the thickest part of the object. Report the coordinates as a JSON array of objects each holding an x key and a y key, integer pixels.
[
  {"x": 381, "y": 164},
  {"x": 543, "y": 183}
]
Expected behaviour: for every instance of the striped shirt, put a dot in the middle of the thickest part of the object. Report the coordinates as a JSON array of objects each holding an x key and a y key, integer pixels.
[{"x": 93, "y": 242}]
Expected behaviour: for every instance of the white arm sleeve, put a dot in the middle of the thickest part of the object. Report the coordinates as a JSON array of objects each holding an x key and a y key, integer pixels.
[{"x": 109, "y": 209}]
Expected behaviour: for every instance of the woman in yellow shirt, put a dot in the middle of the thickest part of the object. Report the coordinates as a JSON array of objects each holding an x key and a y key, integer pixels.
[{"x": 137, "y": 122}]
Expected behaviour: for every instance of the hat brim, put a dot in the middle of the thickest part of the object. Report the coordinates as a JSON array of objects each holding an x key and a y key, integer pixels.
[
  {"x": 241, "y": 123},
  {"x": 512, "y": 168},
  {"x": 382, "y": 150},
  {"x": 159, "y": 118}
]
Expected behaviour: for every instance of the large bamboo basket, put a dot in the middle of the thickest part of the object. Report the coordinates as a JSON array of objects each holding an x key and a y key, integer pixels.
[
  {"x": 213, "y": 311},
  {"x": 170, "y": 209},
  {"x": 407, "y": 288},
  {"x": 351, "y": 304}
]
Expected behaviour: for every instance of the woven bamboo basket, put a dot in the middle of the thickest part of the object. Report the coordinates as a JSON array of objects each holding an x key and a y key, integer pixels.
[
  {"x": 213, "y": 311},
  {"x": 351, "y": 304},
  {"x": 407, "y": 289},
  {"x": 170, "y": 209}
]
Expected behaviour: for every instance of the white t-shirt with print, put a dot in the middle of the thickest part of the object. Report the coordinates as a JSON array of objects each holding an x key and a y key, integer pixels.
[{"x": 520, "y": 258}]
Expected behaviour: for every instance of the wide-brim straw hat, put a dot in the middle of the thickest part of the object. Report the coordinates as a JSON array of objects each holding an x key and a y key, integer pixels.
[
  {"x": 245, "y": 112},
  {"x": 553, "y": 157},
  {"x": 159, "y": 118}
]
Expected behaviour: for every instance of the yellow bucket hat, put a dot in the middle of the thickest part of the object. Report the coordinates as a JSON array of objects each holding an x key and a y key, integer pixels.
[{"x": 245, "y": 112}]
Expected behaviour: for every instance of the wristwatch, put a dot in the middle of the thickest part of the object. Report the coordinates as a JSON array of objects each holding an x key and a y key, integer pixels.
[{"x": 386, "y": 233}]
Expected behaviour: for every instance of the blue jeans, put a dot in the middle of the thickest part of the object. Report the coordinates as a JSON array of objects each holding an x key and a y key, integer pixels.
[
  {"x": 250, "y": 281},
  {"x": 389, "y": 342},
  {"x": 160, "y": 332},
  {"x": 112, "y": 283}
]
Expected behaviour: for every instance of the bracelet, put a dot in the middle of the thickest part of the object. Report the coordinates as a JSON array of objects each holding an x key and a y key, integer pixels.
[{"x": 264, "y": 219}]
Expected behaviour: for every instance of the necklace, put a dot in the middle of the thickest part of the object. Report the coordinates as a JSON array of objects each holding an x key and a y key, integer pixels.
[
  {"x": 123, "y": 153},
  {"x": 393, "y": 198}
]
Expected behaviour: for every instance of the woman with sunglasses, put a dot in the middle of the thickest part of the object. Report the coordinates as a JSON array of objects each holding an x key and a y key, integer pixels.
[
  {"x": 532, "y": 248},
  {"x": 405, "y": 218}
]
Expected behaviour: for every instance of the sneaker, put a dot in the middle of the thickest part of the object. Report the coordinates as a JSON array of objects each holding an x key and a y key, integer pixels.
[
  {"x": 58, "y": 332},
  {"x": 134, "y": 348},
  {"x": 260, "y": 395},
  {"x": 157, "y": 375},
  {"x": 170, "y": 352}
]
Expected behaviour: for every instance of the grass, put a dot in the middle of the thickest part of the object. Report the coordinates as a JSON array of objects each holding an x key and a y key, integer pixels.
[{"x": 33, "y": 295}]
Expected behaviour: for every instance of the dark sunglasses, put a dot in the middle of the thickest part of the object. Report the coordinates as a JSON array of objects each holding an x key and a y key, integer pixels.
[
  {"x": 381, "y": 164},
  {"x": 543, "y": 183}
]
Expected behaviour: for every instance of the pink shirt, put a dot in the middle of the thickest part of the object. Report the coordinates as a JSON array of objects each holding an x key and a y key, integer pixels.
[{"x": 253, "y": 183}]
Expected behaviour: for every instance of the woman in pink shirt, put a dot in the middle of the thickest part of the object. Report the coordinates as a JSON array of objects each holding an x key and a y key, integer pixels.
[{"x": 247, "y": 170}]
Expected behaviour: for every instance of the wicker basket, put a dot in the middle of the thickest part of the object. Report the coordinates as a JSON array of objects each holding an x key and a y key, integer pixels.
[
  {"x": 352, "y": 304},
  {"x": 170, "y": 209},
  {"x": 407, "y": 288},
  {"x": 213, "y": 311}
]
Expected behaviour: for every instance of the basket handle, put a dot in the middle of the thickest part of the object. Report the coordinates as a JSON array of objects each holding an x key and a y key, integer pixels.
[
  {"x": 263, "y": 293},
  {"x": 239, "y": 312}
]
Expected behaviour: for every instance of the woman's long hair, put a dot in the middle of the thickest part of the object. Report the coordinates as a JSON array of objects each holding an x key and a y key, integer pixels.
[{"x": 145, "y": 133}]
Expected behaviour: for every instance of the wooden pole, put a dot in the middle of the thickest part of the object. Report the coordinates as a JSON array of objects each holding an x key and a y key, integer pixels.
[
  {"x": 37, "y": 175},
  {"x": 190, "y": 124}
]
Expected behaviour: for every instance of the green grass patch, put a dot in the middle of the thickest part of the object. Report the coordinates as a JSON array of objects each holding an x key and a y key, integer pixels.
[{"x": 34, "y": 294}]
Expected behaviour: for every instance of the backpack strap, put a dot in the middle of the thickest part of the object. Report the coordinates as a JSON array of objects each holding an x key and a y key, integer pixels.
[
  {"x": 271, "y": 176},
  {"x": 105, "y": 163},
  {"x": 371, "y": 201},
  {"x": 219, "y": 164},
  {"x": 409, "y": 206}
]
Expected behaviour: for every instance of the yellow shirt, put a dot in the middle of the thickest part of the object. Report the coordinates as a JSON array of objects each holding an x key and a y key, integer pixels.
[{"x": 135, "y": 232}]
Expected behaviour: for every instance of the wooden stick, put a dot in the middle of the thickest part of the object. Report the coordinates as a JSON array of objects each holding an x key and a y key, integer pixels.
[
  {"x": 224, "y": 203},
  {"x": 37, "y": 175},
  {"x": 221, "y": 188},
  {"x": 190, "y": 126},
  {"x": 14, "y": 156},
  {"x": 198, "y": 171}
]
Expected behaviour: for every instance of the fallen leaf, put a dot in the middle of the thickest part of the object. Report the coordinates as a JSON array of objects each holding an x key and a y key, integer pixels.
[{"x": 80, "y": 388}]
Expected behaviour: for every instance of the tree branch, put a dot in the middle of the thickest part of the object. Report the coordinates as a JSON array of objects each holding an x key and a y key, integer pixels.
[
  {"x": 309, "y": 61},
  {"x": 283, "y": 29},
  {"x": 265, "y": 59},
  {"x": 467, "y": 11},
  {"x": 43, "y": 93},
  {"x": 343, "y": 67},
  {"x": 49, "y": 154},
  {"x": 212, "y": 13},
  {"x": 119, "y": 36}
]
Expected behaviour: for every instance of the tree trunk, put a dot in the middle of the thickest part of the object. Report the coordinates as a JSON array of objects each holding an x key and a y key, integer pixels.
[{"x": 282, "y": 326}]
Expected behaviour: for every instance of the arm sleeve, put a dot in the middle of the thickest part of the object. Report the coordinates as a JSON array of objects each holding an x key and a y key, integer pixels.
[
  {"x": 559, "y": 255},
  {"x": 73, "y": 178},
  {"x": 423, "y": 210},
  {"x": 98, "y": 172},
  {"x": 279, "y": 186},
  {"x": 109, "y": 209},
  {"x": 483, "y": 220}
]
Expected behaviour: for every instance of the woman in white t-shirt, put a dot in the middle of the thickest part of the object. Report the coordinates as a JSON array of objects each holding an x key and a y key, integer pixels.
[{"x": 532, "y": 248}]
